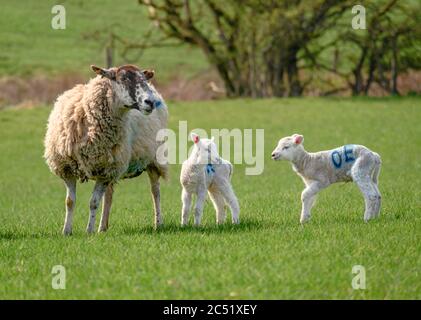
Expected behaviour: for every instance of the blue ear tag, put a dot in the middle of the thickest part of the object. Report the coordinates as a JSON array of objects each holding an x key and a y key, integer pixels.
[
  {"x": 210, "y": 169},
  {"x": 158, "y": 104}
]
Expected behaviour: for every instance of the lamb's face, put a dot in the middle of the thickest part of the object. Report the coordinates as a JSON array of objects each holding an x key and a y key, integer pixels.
[
  {"x": 206, "y": 149},
  {"x": 287, "y": 147},
  {"x": 132, "y": 87}
]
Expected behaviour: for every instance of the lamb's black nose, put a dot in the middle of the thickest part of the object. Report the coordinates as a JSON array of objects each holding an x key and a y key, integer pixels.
[
  {"x": 148, "y": 102},
  {"x": 273, "y": 154}
]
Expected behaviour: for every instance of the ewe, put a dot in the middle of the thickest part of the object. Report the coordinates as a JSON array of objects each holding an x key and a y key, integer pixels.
[
  {"x": 205, "y": 171},
  {"x": 321, "y": 169},
  {"x": 105, "y": 131}
]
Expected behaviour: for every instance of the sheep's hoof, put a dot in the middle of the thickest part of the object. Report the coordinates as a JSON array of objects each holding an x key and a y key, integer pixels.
[
  {"x": 102, "y": 229},
  {"x": 67, "y": 232}
]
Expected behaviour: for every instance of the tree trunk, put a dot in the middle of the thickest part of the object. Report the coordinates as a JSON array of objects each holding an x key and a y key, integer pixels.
[
  {"x": 371, "y": 69},
  {"x": 295, "y": 88},
  {"x": 394, "y": 66},
  {"x": 358, "y": 85}
]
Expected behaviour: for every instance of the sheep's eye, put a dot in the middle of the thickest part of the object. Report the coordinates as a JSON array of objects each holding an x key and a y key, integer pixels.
[{"x": 286, "y": 147}]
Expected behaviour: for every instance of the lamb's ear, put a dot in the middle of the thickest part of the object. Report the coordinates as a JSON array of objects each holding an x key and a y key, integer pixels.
[
  {"x": 195, "y": 137},
  {"x": 298, "y": 138},
  {"x": 149, "y": 74},
  {"x": 110, "y": 74},
  {"x": 213, "y": 139}
]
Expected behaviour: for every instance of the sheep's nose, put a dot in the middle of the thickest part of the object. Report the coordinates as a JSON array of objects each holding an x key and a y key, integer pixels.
[
  {"x": 148, "y": 102},
  {"x": 273, "y": 154}
]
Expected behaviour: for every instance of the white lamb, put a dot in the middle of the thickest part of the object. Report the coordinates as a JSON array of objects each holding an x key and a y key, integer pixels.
[
  {"x": 205, "y": 171},
  {"x": 320, "y": 169}
]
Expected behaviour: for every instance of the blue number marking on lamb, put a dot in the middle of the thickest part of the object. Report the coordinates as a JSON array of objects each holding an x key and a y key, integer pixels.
[
  {"x": 348, "y": 151},
  {"x": 336, "y": 159},
  {"x": 210, "y": 169},
  {"x": 345, "y": 153}
]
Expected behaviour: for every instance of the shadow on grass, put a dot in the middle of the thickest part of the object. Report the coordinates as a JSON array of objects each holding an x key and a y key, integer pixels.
[
  {"x": 17, "y": 235},
  {"x": 227, "y": 228},
  {"x": 246, "y": 226}
]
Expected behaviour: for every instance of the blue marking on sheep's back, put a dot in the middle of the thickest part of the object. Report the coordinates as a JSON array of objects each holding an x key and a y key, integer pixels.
[
  {"x": 158, "y": 104},
  {"x": 135, "y": 169}
]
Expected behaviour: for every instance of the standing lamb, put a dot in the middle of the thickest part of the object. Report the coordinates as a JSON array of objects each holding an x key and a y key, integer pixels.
[
  {"x": 205, "y": 171},
  {"x": 105, "y": 131},
  {"x": 319, "y": 170}
]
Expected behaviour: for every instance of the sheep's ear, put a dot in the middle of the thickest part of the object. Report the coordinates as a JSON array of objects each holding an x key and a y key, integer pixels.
[
  {"x": 298, "y": 138},
  {"x": 213, "y": 139},
  {"x": 195, "y": 137},
  {"x": 149, "y": 74},
  {"x": 110, "y": 74}
]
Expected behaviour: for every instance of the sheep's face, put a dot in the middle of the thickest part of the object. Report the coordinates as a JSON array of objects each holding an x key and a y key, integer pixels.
[
  {"x": 288, "y": 147},
  {"x": 206, "y": 150},
  {"x": 132, "y": 87}
]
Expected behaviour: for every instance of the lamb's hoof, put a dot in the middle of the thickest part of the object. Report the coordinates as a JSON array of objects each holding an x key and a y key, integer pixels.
[
  {"x": 237, "y": 221},
  {"x": 304, "y": 220}
]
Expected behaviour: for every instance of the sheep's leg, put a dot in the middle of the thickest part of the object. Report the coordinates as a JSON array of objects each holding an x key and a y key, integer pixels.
[
  {"x": 97, "y": 195},
  {"x": 70, "y": 205},
  {"x": 200, "y": 201},
  {"x": 308, "y": 196},
  {"x": 232, "y": 202},
  {"x": 106, "y": 208},
  {"x": 186, "y": 198},
  {"x": 156, "y": 195},
  {"x": 219, "y": 204}
]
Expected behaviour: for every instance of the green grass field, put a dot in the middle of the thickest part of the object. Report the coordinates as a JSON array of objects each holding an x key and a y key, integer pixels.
[
  {"x": 268, "y": 256},
  {"x": 30, "y": 46}
]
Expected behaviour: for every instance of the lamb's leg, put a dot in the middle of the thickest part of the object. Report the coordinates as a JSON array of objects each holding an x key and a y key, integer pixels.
[
  {"x": 70, "y": 205},
  {"x": 378, "y": 202},
  {"x": 106, "y": 208},
  {"x": 375, "y": 180},
  {"x": 97, "y": 195},
  {"x": 219, "y": 205},
  {"x": 363, "y": 172},
  {"x": 200, "y": 201},
  {"x": 186, "y": 198},
  {"x": 232, "y": 202},
  {"x": 308, "y": 196},
  {"x": 156, "y": 195},
  {"x": 371, "y": 197}
]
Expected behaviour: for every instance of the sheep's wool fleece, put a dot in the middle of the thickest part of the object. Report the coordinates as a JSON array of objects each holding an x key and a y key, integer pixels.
[{"x": 90, "y": 137}]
